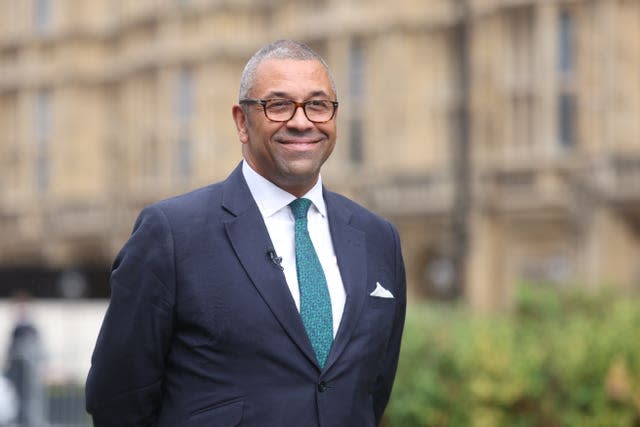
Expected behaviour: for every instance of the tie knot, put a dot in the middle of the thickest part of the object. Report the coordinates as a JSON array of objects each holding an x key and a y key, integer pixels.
[{"x": 299, "y": 207}]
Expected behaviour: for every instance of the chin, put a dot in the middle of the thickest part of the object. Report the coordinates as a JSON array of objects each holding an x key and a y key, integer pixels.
[
  {"x": 304, "y": 173},
  {"x": 300, "y": 167}
]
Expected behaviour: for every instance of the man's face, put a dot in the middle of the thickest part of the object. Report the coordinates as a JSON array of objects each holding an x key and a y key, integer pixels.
[{"x": 290, "y": 153}]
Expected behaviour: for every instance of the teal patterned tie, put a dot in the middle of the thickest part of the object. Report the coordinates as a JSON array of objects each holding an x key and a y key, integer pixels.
[{"x": 315, "y": 303}]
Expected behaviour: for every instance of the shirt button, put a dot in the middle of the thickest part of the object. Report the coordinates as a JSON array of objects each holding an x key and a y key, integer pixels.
[{"x": 322, "y": 386}]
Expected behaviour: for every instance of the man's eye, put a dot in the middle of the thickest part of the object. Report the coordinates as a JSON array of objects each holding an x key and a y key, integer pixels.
[
  {"x": 318, "y": 105},
  {"x": 278, "y": 105}
]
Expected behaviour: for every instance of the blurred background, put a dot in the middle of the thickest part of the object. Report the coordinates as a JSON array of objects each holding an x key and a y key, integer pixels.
[{"x": 501, "y": 136}]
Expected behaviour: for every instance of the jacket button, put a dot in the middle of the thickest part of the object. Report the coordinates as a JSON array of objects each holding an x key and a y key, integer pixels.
[{"x": 322, "y": 386}]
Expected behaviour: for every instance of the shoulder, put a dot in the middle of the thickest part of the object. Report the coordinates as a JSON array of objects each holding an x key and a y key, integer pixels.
[
  {"x": 189, "y": 203},
  {"x": 180, "y": 215},
  {"x": 204, "y": 202}
]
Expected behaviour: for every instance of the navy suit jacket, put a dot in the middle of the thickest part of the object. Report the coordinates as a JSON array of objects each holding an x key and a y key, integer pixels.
[{"x": 202, "y": 330}]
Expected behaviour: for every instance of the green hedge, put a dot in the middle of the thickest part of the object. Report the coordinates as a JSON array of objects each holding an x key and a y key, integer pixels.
[{"x": 558, "y": 359}]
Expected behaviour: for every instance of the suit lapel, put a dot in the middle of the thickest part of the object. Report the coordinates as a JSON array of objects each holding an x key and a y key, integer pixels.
[
  {"x": 250, "y": 240},
  {"x": 350, "y": 247}
]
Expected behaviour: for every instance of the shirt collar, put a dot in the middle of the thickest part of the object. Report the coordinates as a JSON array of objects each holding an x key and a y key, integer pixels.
[{"x": 270, "y": 198}]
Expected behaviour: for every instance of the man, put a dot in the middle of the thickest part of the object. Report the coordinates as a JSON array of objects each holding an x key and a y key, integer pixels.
[
  {"x": 224, "y": 312},
  {"x": 25, "y": 357}
]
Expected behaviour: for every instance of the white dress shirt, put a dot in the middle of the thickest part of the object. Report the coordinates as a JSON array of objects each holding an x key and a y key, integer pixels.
[{"x": 273, "y": 203}]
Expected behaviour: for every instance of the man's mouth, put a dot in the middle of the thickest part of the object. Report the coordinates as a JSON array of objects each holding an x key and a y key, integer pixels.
[{"x": 298, "y": 141}]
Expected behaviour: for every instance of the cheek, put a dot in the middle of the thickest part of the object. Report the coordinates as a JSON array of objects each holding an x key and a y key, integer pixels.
[
  {"x": 255, "y": 137},
  {"x": 263, "y": 132},
  {"x": 330, "y": 130},
  {"x": 332, "y": 135},
  {"x": 260, "y": 145}
]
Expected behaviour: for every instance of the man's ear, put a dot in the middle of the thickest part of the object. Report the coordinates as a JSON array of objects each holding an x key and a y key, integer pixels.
[{"x": 240, "y": 118}]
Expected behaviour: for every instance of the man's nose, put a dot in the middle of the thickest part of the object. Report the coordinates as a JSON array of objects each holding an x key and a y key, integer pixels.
[{"x": 299, "y": 119}]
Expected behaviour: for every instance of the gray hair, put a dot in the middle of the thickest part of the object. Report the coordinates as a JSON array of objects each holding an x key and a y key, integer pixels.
[{"x": 280, "y": 49}]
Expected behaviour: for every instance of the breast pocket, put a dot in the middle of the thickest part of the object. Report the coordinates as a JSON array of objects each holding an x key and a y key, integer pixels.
[
  {"x": 379, "y": 317},
  {"x": 226, "y": 414},
  {"x": 380, "y": 302}
]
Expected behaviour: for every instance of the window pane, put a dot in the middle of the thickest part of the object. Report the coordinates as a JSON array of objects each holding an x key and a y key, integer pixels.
[
  {"x": 355, "y": 147},
  {"x": 43, "y": 125},
  {"x": 566, "y": 120},
  {"x": 42, "y": 15},
  {"x": 184, "y": 157},
  {"x": 184, "y": 110},
  {"x": 357, "y": 100},
  {"x": 184, "y": 96},
  {"x": 356, "y": 71},
  {"x": 565, "y": 48}
]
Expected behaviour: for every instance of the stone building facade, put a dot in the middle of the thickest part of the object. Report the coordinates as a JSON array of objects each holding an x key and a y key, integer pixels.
[{"x": 108, "y": 105}]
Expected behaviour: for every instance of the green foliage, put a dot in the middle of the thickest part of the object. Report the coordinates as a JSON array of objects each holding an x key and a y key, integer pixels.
[{"x": 558, "y": 359}]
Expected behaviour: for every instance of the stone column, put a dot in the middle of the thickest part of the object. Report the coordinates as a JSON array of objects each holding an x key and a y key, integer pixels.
[{"x": 486, "y": 281}]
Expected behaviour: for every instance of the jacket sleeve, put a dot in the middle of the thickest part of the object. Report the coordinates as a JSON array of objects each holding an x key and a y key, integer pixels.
[
  {"x": 384, "y": 380},
  {"x": 125, "y": 382}
]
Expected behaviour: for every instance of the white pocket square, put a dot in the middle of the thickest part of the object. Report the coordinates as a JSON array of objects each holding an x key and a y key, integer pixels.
[{"x": 381, "y": 292}]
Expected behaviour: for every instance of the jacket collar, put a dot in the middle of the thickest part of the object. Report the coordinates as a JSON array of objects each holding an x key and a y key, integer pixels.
[{"x": 250, "y": 240}]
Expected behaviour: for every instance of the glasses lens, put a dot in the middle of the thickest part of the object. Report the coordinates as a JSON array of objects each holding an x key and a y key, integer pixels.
[
  {"x": 279, "y": 110},
  {"x": 318, "y": 111}
]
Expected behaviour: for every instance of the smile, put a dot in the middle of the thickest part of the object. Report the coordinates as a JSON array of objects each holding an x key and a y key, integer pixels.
[
  {"x": 299, "y": 144},
  {"x": 298, "y": 141}
]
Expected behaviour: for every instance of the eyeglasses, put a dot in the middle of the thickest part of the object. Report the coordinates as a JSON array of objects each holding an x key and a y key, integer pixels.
[{"x": 283, "y": 110}]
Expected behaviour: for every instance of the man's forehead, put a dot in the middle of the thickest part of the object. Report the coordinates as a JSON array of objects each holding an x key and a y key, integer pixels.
[
  {"x": 272, "y": 73},
  {"x": 277, "y": 64}
]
